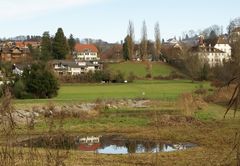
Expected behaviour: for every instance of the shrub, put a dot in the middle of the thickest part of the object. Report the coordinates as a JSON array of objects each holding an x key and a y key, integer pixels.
[
  {"x": 38, "y": 81},
  {"x": 19, "y": 89},
  {"x": 201, "y": 91},
  {"x": 131, "y": 77},
  {"x": 149, "y": 75},
  {"x": 119, "y": 77}
]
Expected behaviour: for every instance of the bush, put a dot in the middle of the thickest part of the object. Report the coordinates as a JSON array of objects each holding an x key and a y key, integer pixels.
[
  {"x": 131, "y": 77},
  {"x": 37, "y": 82},
  {"x": 19, "y": 89},
  {"x": 119, "y": 77},
  {"x": 201, "y": 91},
  {"x": 149, "y": 75}
]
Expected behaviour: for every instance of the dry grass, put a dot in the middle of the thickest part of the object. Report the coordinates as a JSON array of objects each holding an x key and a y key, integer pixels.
[
  {"x": 188, "y": 103},
  {"x": 214, "y": 139}
]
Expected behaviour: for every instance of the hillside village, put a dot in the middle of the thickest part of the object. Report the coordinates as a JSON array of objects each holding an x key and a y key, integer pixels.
[
  {"x": 90, "y": 57},
  {"x": 66, "y": 101}
]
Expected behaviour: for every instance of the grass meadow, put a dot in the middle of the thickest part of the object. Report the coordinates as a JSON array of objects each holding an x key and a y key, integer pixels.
[
  {"x": 147, "y": 89},
  {"x": 141, "y": 69}
]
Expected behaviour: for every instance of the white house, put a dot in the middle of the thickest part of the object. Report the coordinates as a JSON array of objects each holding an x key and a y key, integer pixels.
[
  {"x": 64, "y": 67},
  {"x": 86, "y": 52},
  {"x": 223, "y": 45},
  {"x": 215, "y": 55}
]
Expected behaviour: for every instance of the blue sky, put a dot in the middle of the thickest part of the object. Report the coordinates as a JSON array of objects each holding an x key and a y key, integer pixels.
[{"x": 108, "y": 19}]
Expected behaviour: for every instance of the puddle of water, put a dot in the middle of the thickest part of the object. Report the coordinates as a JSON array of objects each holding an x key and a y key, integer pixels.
[{"x": 104, "y": 144}]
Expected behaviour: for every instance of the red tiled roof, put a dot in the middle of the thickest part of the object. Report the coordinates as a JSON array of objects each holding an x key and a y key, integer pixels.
[
  {"x": 84, "y": 47},
  {"x": 20, "y": 44},
  {"x": 26, "y": 43}
]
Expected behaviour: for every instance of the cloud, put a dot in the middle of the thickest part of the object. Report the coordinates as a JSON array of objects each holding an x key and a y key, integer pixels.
[{"x": 25, "y": 9}]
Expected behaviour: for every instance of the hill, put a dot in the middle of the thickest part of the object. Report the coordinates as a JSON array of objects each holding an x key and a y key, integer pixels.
[{"x": 142, "y": 69}]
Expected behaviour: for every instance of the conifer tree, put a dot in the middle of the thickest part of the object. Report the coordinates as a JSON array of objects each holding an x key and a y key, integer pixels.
[
  {"x": 46, "y": 47},
  {"x": 60, "y": 45}
]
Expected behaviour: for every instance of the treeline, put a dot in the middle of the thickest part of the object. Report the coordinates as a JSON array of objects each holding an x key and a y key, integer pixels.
[
  {"x": 57, "y": 47},
  {"x": 36, "y": 81},
  {"x": 132, "y": 50},
  {"x": 104, "y": 76}
]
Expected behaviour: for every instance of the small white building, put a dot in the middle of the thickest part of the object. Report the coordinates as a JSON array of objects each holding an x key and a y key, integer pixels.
[{"x": 86, "y": 52}]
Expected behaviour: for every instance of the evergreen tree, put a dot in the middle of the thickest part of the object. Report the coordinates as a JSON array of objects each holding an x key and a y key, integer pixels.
[
  {"x": 212, "y": 39},
  {"x": 126, "y": 48},
  {"x": 60, "y": 45},
  {"x": 35, "y": 52},
  {"x": 39, "y": 81},
  {"x": 46, "y": 47},
  {"x": 71, "y": 43}
]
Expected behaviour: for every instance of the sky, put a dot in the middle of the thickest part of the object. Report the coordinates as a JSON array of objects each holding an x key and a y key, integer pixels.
[{"x": 108, "y": 19}]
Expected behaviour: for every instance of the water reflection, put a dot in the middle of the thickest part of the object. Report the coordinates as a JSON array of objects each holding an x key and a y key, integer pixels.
[{"x": 104, "y": 144}]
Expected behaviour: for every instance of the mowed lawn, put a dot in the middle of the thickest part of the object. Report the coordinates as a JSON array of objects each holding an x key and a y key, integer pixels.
[
  {"x": 140, "y": 69},
  {"x": 164, "y": 90}
]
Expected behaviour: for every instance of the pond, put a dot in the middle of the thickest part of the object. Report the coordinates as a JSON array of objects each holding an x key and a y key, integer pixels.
[{"x": 106, "y": 144}]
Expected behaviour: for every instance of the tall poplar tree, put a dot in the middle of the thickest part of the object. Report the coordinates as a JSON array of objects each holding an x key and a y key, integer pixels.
[
  {"x": 131, "y": 39},
  {"x": 144, "y": 42},
  {"x": 157, "y": 41},
  {"x": 126, "y": 49}
]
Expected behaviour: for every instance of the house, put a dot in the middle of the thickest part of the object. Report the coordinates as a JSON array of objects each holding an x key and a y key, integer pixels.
[
  {"x": 25, "y": 44},
  {"x": 17, "y": 70},
  {"x": 87, "y": 66},
  {"x": 222, "y": 44},
  {"x": 86, "y": 52},
  {"x": 213, "y": 55},
  {"x": 234, "y": 35},
  {"x": 13, "y": 51},
  {"x": 66, "y": 67}
]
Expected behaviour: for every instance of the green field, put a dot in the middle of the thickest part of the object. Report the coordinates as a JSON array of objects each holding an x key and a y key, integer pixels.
[
  {"x": 141, "y": 69},
  {"x": 155, "y": 89}
]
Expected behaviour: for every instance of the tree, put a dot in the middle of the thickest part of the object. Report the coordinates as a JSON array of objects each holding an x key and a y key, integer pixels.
[
  {"x": 233, "y": 24},
  {"x": 212, "y": 39},
  {"x": 157, "y": 41},
  {"x": 192, "y": 63},
  {"x": 207, "y": 31},
  {"x": 71, "y": 43},
  {"x": 60, "y": 46},
  {"x": 46, "y": 47},
  {"x": 126, "y": 49},
  {"x": 131, "y": 39},
  {"x": 151, "y": 49},
  {"x": 143, "y": 45},
  {"x": 39, "y": 81},
  {"x": 236, "y": 52},
  {"x": 35, "y": 52}
]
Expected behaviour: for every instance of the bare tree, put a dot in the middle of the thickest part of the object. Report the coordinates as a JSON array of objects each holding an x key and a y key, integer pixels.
[
  {"x": 131, "y": 41},
  {"x": 233, "y": 24},
  {"x": 157, "y": 40},
  {"x": 144, "y": 42}
]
